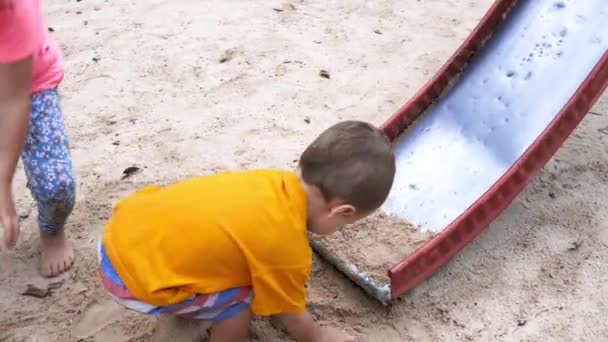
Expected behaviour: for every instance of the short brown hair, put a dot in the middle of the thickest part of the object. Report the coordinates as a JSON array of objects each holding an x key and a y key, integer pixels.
[{"x": 352, "y": 161}]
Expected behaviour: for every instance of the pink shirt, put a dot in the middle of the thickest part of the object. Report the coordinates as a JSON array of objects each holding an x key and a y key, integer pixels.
[{"x": 23, "y": 33}]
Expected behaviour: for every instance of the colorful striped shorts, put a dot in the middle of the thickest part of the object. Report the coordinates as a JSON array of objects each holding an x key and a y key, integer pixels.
[{"x": 210, "y": 307}]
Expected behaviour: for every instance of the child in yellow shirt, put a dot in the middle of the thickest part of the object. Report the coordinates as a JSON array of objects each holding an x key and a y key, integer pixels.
[{"x": 220, "y": 248}]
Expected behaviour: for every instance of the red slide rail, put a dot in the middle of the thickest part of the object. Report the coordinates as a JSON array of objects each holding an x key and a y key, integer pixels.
[{"x": 421, "y": 264}]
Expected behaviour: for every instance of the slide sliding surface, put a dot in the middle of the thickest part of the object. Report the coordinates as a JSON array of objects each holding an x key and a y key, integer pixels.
[
  {"x": 469, "y": 154},
  {"x": 487, "y": 122}
]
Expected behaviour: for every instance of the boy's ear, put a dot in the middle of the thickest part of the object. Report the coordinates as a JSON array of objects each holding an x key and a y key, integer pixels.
[{"x": 346, "y": 210}]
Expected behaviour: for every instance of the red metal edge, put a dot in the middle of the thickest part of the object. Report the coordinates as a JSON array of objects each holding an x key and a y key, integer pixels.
[
  {"x": 449, "y": 72},
  {"x": 426, "y": 260}
]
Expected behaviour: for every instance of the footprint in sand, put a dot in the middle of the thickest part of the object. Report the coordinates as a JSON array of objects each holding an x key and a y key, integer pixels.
[
  {"x": 113, "y": 334},
  {"x": 95, "y": 318}
]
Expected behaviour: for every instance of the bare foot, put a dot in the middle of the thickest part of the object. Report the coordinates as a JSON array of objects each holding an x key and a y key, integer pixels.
[{"x": 57, "y": 254}]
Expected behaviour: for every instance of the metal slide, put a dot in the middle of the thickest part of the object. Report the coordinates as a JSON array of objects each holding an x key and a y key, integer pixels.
[{"x": 486, "y": 124}]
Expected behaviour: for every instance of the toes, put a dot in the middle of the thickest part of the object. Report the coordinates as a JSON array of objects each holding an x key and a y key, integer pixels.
[
  {"x": 56, "y": 261},
  {"x": 54, "y": 268},
  {"x": 47, "y": 271},
  {"x": 67, "y": 264}
]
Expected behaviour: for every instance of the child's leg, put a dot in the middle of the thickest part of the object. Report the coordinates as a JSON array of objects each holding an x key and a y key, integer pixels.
[
  {"x": 172, "y": 328},
  {"x": 228, "y": 311},
  {"x": 49, "y": 172},
  {"x": 234, "y": 328},
  {"x": 175, "y": 329}
]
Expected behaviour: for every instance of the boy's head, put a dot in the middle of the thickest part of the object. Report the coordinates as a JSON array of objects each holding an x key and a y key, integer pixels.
[{"x": 347, "y": 172}]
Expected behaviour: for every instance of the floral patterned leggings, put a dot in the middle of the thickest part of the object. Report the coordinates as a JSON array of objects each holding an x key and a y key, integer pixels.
[{"x": 47, "y": 162}]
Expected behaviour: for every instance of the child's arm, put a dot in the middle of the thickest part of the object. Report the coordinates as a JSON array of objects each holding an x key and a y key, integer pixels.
[
  {"x": 14, "y": 118},
  {"x": 304, "y": 329},
  {"x": 280, "y": 290}
]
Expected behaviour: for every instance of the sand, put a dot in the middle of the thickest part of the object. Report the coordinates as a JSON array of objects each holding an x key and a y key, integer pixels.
[
  {"x": 145, "y": 87},
  {"x": 376, "y": 243}
]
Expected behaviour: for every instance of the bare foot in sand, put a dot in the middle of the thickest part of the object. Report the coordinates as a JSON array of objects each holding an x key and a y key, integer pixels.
[{"x": 57, "y": 254}]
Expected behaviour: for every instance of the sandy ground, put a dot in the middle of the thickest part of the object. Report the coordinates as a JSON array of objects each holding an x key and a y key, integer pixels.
[{"x": 145, "y": 87}]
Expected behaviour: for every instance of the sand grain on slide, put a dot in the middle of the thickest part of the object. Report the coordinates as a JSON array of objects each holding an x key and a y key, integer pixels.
[{"x": 376, "y": 243}]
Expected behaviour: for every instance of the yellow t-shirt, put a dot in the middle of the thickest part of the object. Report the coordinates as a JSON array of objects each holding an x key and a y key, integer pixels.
[{"x": 212, "y": 233}]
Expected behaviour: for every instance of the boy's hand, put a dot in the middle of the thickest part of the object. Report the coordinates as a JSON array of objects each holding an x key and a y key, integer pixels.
[
  {"x": 304, "y": 329},
  {"x": 8, "y": 218}
]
